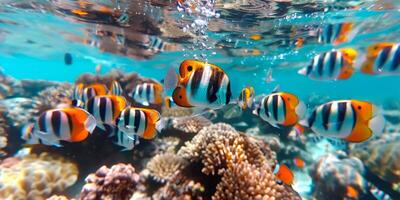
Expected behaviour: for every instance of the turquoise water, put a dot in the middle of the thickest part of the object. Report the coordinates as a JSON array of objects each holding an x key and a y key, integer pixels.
[{"x": 35, "y": 35}]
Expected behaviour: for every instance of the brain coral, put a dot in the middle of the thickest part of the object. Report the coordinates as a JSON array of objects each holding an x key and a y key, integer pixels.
[
  {"x": 35, "y": 176},
  {"x": 163, "y": 167},
  {"x": 381, "y": 156}
]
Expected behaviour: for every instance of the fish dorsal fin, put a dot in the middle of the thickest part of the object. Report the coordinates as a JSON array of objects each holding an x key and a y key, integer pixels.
[{"x": 276, "y": 89}]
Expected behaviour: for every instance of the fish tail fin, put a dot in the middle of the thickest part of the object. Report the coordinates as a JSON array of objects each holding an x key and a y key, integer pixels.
[
  {"x": 171, "y": 79},
  {"x": 378, "y": 122},
  {"x": 302, "y": 71}
]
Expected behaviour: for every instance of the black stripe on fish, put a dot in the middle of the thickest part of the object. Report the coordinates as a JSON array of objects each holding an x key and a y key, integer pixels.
[
  {"x": 354, "y": 116},
  {"x": 56, "y": 122},
  {"x": 326, "y": 110},
  {"x": 140, "y": 90},
  {"x": 195, "y": 82},
  {"x": 275, "y": 106},
  {"x": 90, "y": 106},
  {"x": 332, "y": 62},
  {"x": 310, "y": 67},
  {"x": 266, "y": 106},
  {"x": 311, "y": 119},
  {"x": 320, "y": 64},
  {"x": 145, "y": 120},
  {"x": 126, "y": 116},
  {"x": 396, "y": 59},
  {"x": 70, "y": 123},
  {"x": 42, "y": 122},
  {"x": 214, "y": 85},
  {"x": 342, "y": 108},
  {"x": 284, "y": 106},
  {"x": 383, "y": 57},
  {"x": 137, "y": 120},
  {"x": 329, "y": 33},
  {"x": 228, "y": 93},
  {"x": 148, "y": 86},
  {"x": 103, "y": 109},
  {"x": 113, "y": 108}
]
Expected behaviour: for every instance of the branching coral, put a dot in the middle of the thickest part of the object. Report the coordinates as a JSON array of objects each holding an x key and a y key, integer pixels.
[
  {"x": 117, "y": 182},
  {"x": 163, "y": 167},
  {"x": 35, "y": 177},
  {"x": 247, "y": 181}
]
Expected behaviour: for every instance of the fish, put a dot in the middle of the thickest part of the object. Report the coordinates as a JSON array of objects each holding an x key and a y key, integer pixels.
[
  {"x": 299, "y": 42},
  {"x": 147, "y": 93},
  {"x": 93, "y": 90},
  {"x": 169, "y": 102},
  {"x": 201, "y": 84},
  {"x": 335, "y": 33},
  {"x": 68, "y": 124},
  {"x": 116, "y": 89},
  {"x": 283, "y": 174},
  {"x": 377, "y": 193},
  {"x": 79, "y": 12},
  {"x": 155, "y": 44},
  {"x": 138, "y": 121},
  {"x": 280, "y": 108},
  {"x": 68, "y": 59},
  {"x": 77, "y": 103},
  {"x": 106, "y": 109},
  {"x": 256, "y": 37},
  {"x": 332, "y": 65},
  {"x": 298, "y": 162},
  {"x": 351, "y": 192},
  {"x": 351, "y": 120},
  {"x": 246, "y": 98},
  {"x": 30, "y": 138},
  {"x": 127, "y": 142},
  {"x": 382, "y": 59},
  {"x": 268, "y": 77}
]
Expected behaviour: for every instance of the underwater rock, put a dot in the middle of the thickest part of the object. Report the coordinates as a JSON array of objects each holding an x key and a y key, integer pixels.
[
  {"x": 117, "y": 182},
  {"x": 381, "y": 156},
  {"x": 4, "y": 131},
  {"x": 58, "y": 197},
  {"x": 190, "y": 125},
  {"x": 9, "y": 86},
  {"x": 35, "y": 176},
  {"x": 20, "y": 111},
  {"x": 34, "y": 87},
  {"x": 176, "y": 112},
  {"x": 54, "y": 97},
  {"x": 163, "y": 167},
  {"x": 332, "y": 176}
]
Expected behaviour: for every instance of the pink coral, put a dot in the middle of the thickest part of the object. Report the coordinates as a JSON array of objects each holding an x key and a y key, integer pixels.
[{"x": 117, "y": 182}]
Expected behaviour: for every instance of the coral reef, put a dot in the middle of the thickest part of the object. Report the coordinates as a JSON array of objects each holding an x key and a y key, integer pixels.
[
  {"x": 163, "y": 167},
  {"x": 381, "y": 156},
  {"x": 54, "y": 97},
  {"x": 20, "y": 111},
  {"x": 57, "y": 197},
  {"x": 176, "y": 112},
  {"x": 190, "y": 125},
  {"x": 117, "y": 182},
  {"x": 9, "y": 86},
  {"x": 332, "y": 175},
  {"x": 167, "y": 144},
  {"x": 4, "y": 130},
  {"x": 35, "y": 176}
]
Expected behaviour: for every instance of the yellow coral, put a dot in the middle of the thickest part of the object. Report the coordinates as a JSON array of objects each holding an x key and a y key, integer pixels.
[{"x": 36, "y": 177}]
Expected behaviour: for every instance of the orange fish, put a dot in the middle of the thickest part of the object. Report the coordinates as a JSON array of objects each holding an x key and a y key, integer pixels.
[
  {"x": 79, "y": 12},
  {"x": 138, "y": 121},
  {"x": 93, "y": 90},
  {"x": 256, "y": 37},
  {"x": 299, "y": 162},
  {"x": 201, "y": 84},
  {"x": 299, "y": 42},
  {"x": 382, "y": 58},
  {"x": 350, "y": 120},
  {"x": 284, "y": 174},
  {"x": 351, "y": 192},
  {"x": 335, "y": 33},
  {"x": 68, "y": 124},
  {"x": 106, "y": 108}
]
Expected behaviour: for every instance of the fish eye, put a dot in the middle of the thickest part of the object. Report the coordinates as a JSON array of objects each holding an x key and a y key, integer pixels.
[
  {"x": 180, "y": 96},
  {"x": 189, "y": 68},
  {"x": 288, "y": 98},
  {"x": 359, "y": 107}
]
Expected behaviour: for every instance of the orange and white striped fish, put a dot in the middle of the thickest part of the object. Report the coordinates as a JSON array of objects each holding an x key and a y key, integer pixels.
[
  {"x": 106, "y": 109},
  {"x": 280, "y": 108},
  {"x": 335, "y": 33},
  {"x": 246, "y": 98},
  {"x": 350, "y": 120},
  {"x": 382, "y": 58},
  {"x": 68, "y": 124},
  {"x": 201, "y": 84},
  {"x": 147, "y": 93},
  {"x": 138, "y": 121},
  {"x": 284, "y": 174},
  {"x": 116, "y": 89},
  {"x": 332, "y": 65}
]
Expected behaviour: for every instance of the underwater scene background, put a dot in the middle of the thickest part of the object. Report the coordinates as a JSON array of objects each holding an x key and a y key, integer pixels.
[{"x": 199, "y": 99}]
